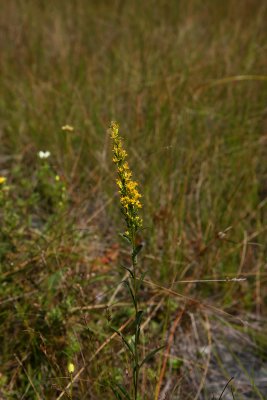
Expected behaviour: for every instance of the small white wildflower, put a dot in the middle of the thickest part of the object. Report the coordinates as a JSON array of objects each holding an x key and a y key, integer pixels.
[
  {"x": 221, "y": 235},
  {"x": 44, "y": 154},
  {"x": 67, "y": 128}
]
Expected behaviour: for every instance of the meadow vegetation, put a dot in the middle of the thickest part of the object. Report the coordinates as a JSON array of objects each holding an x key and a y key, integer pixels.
[{"x": 187, "y": 83}]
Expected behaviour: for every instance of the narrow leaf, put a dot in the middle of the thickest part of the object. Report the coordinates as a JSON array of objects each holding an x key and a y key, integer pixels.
[
  {"x": 141, "y": 279},
  {"x": 128, "y": 269},
  {"x": 116, "y": 393},
  {"x": 150, "y": 355},
  {"x": 137, "y": 250},
  {"x": 125, "y": 238},
  {"x": 125, "y": 341},
  {"x": 138, "y": 318},
  {"x": 123, "y": 390},
  {"x": 130, "y": 291}
]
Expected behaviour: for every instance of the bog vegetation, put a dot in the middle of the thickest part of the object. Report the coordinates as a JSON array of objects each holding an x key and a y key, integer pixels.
[{"x": 172, "y": 305}]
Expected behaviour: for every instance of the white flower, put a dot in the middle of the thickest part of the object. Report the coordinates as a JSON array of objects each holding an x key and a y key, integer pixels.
[
  {"x": 67, "y": 128},
  {"x": 44, "y": 154}
]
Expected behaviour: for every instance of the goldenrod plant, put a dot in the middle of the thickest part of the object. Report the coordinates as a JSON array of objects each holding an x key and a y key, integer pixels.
[{"x": 130, "y": 207}]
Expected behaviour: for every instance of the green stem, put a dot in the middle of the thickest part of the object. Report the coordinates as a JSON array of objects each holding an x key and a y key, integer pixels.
[
  {"x": 136, "y": 332},
  {"x": 71, "y": 386}
]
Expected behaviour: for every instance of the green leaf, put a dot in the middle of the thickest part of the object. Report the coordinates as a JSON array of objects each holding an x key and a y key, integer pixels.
[
  {"x": 137, "y": 322},
  {"x": 150, "y": 355},
  {"x": 141, "y": 279},
  {"x": 116, "y": 393},
  {"x": 138, "y": 318},
  {"x": 125, "y": 238},
  {"x": 137, "y": 250},
  {"x": 128, "y": 269},
  {"x": 125, "y": 341},
  {"x": 175, "y": 363},
  {"x": 130, "y": 291},
  {"x": 123, "y": 390}
]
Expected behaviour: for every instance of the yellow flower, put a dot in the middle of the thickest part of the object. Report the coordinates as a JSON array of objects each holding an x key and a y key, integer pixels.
[
  {"x": 67, "y": 128},
  {"x": 71, "y": 368},
  {"x": 129, "y": 195},
  {"x": 2, "y": 180}
]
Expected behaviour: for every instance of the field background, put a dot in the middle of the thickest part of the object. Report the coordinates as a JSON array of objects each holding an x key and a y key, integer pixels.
[{"x": 187, "y": 83}]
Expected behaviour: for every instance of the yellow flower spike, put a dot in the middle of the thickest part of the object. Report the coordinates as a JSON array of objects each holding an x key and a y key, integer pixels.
[
  {"x": 129, "y": 195},
  {"x": 2, "y": 180}
]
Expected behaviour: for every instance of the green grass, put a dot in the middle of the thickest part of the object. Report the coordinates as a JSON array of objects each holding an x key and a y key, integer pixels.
[{"x": 186, "y": 80}]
